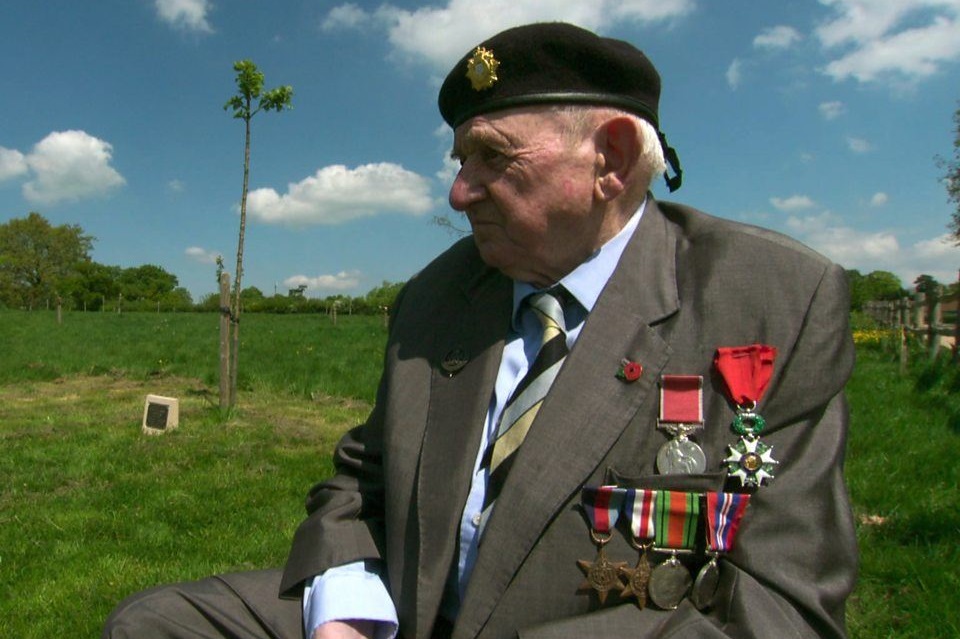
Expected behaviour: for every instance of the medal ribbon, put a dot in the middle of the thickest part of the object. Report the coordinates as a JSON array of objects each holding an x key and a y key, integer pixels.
[
  {"x": 746, "y": 370},
  {"x": 724, "y": 511},
  {"x": 603, "y": 506},
  {"x": 681, "y": 399},
  {"x": 639, "y": 505},
  {"x": 676, "y": 519}
]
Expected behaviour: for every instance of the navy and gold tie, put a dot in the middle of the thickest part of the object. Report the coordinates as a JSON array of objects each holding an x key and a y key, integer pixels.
[{"x": 521, "y": 409}]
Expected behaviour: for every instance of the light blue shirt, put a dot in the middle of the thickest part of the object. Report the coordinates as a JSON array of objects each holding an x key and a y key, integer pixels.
[{"x": 354, "y": 591}]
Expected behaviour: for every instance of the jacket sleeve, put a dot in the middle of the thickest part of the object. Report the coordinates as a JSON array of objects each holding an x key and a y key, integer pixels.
[{"x": 345, "y": 514}]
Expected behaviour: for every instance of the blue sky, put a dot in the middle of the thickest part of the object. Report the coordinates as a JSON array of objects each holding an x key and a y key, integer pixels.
[{"x": 821, "y": 119}]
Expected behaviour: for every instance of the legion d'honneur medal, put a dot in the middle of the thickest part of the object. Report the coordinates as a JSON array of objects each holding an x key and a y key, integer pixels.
[
  {"x": 602, "y": 505},
  {"x": 675, "y": 529},
  {"x": 681, "y": 413},
  {"x": 746, "y": 371},
  {"x": 724, "y": 512},
  {"x": 639, "y": 506}
]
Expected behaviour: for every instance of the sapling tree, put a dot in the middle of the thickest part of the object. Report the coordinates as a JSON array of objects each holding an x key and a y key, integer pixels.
[{"x": 249, "y": 100}]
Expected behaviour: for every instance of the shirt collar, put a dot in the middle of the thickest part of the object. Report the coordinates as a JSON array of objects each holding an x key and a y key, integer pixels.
[{"x": 586, "y": 282}]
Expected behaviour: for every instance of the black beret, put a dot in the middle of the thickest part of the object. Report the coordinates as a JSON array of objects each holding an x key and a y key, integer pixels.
[{"x": 550, "y": 63}]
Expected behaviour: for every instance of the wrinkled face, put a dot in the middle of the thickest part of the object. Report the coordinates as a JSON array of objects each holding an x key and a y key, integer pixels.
[{"x": 528, "y": 192}]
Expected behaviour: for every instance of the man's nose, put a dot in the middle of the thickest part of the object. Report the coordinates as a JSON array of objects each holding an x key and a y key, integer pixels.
[{"x": 466, "y": 189}]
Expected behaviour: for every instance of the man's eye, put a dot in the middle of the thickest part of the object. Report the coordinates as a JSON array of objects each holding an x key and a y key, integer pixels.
[{"x": 492, "y": 156}]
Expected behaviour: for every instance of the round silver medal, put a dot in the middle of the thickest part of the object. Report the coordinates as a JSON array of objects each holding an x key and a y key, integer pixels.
[
  {"x": 681, "y": 456},
  {"x": 705, "y": 585},
  {"x": 669, "y": 584}
]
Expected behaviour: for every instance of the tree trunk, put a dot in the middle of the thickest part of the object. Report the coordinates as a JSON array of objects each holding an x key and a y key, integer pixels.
[
  {"x": 235, "y": 310},
  {"x": 224, "y": 341}
]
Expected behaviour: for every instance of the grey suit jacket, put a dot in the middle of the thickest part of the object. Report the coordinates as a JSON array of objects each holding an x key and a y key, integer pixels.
[{"x": 687, "y": 284}]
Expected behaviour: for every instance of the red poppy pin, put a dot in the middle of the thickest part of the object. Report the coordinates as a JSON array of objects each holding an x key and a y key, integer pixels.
[{"x": 629, "y": 371}]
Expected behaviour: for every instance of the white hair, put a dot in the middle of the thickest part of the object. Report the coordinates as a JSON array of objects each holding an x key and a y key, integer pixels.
[{"x": 579, "y": 120}]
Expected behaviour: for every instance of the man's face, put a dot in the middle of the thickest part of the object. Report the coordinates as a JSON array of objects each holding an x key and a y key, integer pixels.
[{"x": 528, "y": 192}]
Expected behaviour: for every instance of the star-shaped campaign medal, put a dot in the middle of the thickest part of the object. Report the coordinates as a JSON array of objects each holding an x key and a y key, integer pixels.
[
  {"x": 750, "y": 461},
  {"x": 637, "y": 580},
  {"x": 602, "y": 575}
]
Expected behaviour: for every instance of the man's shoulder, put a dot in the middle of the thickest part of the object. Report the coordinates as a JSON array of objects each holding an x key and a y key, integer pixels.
[
  {"x": 458, "y": 270},
  {"x": 458, "y": 264},
  {"x": 705, "y": 230}
]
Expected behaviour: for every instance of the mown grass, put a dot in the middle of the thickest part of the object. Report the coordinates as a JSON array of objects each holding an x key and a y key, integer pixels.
[
  {"x": 307, "y": 355},
  {"x": 904, "y": 480},
  {"x": 92, "y": 510}
]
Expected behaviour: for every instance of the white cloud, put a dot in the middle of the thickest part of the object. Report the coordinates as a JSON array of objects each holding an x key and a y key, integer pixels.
[
  {"x": 439, "y": 35},
  {"x": 832, "y": 110},
  {"x": 879, "y": 199},
  {"x": 938, "y": 257},
  {"x": 779, "y": 37},
  {"x": 12, "y": 164},
  {"x": 842, "y": 244},
  {"x": 189, "y": 15},
  {"x": 859, "y": 145},
  {"x": 346, "y": 16},
  {"x": 735, "y": 73},
  {"x": 877, "y": 251},
  {"x": 336, "y": 194},
  {"x": 792, "y": 203},
  {"x": 70, "y": 165},
  {"x": 175, "y": 185},
  {"x": 342, "y": 281},
  {"x": 202, "y": 255},
  {"x": 943, "y": 246},
  {"x": 890, "y": 40}
]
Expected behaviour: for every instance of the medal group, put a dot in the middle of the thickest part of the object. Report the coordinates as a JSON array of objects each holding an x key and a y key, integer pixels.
[
  {"x": 661, "y": 522},
  {"x": 665, "y": 523}
]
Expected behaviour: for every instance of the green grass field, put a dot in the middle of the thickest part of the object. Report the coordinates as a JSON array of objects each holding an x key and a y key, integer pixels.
[{"x": 92, "y": 510}]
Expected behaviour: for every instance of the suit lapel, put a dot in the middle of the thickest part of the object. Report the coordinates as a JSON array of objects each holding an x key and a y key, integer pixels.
[
  {"x": 587, "y": 410},
  {"x": 455, "y": 419}
]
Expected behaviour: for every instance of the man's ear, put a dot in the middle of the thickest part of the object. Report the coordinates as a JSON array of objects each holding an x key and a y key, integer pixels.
[{"x": 618, "y": 147}]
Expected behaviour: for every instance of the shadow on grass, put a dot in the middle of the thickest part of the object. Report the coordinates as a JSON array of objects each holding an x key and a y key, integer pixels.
[{"x": 926, "y": 528}]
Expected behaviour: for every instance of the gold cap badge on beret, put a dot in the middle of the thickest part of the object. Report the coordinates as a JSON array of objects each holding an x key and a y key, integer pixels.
[{"x": 482, "y": 69}]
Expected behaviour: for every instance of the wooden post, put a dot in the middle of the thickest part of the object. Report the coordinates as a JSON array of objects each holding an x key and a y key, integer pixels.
[
  {"x": 904, "y": 351},
  {"x": 904, "y": 319},
  {"x": 933, "y": 322},
  {"x": 224, "y": 341},
  {"x": 956, "y": 322},
  {"x": 59, "y": 309}
]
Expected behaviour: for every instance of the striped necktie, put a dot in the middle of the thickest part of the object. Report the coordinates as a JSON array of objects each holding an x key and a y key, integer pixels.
[{"x": 521, "y": 409}]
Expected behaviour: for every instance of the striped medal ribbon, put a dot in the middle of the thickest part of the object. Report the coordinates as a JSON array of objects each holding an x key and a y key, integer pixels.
[
  {"x": 602, "y": 505},
  {"x": 640, "y": 506},
  {"x": 675, "y": 528},
  {"x": 723, "y": 514}
]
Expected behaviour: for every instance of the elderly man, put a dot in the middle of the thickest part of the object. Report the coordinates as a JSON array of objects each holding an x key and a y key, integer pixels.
[{"x": 600, "y": 415}]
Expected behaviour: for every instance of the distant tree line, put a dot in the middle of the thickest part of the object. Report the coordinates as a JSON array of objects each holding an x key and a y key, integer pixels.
[
  {"x": 873, "y": 287},
  {"x": 253, "y": 300},
  {"x": 42, "y": 265},
  {"x": 883, "y": 286}
]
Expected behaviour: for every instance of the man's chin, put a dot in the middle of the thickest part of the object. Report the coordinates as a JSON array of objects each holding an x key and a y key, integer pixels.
[{"x": 492, "y": 253}]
